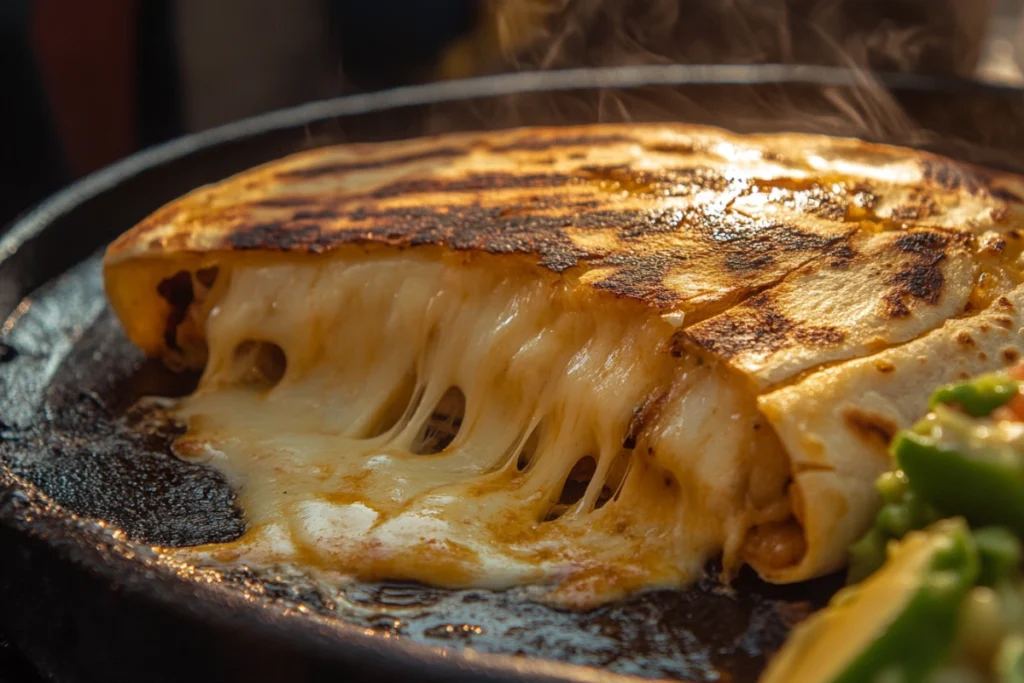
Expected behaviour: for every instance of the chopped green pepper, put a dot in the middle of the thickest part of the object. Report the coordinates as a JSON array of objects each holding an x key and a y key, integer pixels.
[
  {"x": 904, "y": 511},
  {"x": 977, "y": 397},
  {"x": 1000, "y": 553},
  {"x": 984, "y": 483},
  {"x": 894, "y": 520},
  {"x": 867, "y": 555},
  {"x": 893, "y": 486}
]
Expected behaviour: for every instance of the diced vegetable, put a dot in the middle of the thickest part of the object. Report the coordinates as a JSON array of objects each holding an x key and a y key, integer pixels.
[
  {"x": 904, "y": 512},
  {"x": 867, "y": 555},
  {"x": 985, "y": 484},
  {"x": 980, "y": 396},
  {"x": 1000, "y": 553}
]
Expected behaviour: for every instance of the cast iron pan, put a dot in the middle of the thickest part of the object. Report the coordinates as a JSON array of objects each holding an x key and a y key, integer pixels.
[{"x": 87, "y": 499}]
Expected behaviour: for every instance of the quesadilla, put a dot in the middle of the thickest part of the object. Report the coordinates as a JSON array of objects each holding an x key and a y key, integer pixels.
[{"x": 592, "y": 357}]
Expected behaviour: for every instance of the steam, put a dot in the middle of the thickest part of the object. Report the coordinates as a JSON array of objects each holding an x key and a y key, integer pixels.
[{"x": 940, "y": 37}]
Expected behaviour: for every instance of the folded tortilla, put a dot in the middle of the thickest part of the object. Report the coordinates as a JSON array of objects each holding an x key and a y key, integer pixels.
[{"x": 595, "y": 357}]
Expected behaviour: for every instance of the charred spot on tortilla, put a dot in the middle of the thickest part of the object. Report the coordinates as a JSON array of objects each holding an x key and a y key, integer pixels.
[
  {"x": 868, "y": 425},
  {"x": 592, "y": 358},
  {"x": 337, "y": 168},
  {"x": 950, "y": 175},
  {"x": 758, "y": 325}
]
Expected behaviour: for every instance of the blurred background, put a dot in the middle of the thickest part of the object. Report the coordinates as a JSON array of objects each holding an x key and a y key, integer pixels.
[{"x": 86, "y": 83}]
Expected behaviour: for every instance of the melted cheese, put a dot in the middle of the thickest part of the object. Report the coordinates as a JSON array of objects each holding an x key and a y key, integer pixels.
[{"x": 399, "y": 415}]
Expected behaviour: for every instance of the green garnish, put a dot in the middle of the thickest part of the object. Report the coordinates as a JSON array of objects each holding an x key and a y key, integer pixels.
[
  {"x": 1000, "y": 553},
  {"x": 977, "y": 397}
]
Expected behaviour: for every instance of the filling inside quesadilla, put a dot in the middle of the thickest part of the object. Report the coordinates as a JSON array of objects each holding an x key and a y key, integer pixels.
[
  {"x": 510, "y": 367},
  {"x": 456, "y": 422}
]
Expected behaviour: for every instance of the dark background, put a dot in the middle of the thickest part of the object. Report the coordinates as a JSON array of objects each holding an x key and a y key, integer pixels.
[{"x": 85, "y": 83}]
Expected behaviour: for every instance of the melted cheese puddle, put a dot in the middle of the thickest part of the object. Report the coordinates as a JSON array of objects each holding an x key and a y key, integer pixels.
[{"x": 574, "y": 448}]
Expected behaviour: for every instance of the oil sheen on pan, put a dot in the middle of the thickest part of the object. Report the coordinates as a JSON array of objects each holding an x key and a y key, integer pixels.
[
  {"x": 88, "y": 440},
  {"x": 585, "y": 359}
]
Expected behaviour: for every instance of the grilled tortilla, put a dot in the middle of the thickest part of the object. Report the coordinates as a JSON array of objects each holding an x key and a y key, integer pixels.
[{"x": 593, "y": 357}]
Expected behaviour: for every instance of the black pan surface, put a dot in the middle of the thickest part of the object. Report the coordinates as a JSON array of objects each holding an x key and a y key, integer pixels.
[{"x": 88, "y": 499}]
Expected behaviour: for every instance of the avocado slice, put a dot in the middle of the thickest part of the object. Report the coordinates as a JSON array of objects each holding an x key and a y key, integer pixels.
[
  {"x": 898, "y": 624},
  {"x": 1009, "y": 662}
]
